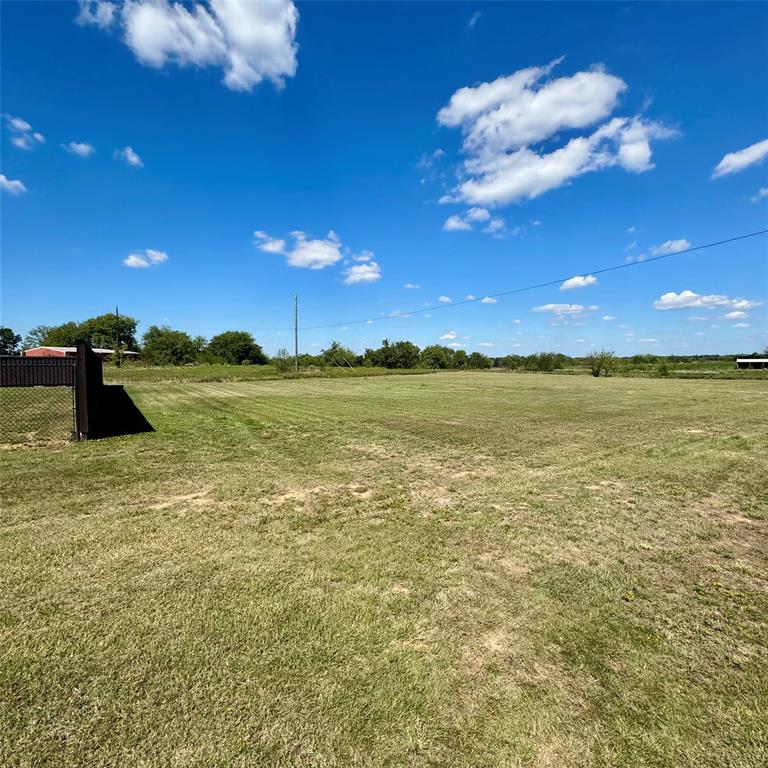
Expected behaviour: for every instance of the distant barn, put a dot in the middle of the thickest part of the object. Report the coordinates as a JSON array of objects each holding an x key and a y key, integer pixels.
[
  {"x": 104, "y": 354},
  {"x": 752, "y": 362}
]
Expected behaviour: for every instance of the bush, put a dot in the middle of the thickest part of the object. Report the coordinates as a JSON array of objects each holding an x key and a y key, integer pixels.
[
  {"x": 235, "y": 348},
  {"x": 601, "y": 362}
]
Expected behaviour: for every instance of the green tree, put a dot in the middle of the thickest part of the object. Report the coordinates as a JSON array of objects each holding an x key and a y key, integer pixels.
[
  {"x": 400, "y": 354},
  {"x": 64, "y": 335},
  {"x": 105, "y": 331},
  {"x": 601, "y": 362},
  {"x": 336, "y": 354},
  {"x": 9, "y": 342},
  {"x": 460, "y": 359},
  {"x": 164, "y": 346},
  {"x": 236, "y": 348},
  {"x": 282, "y": 361},
  {"x": 436, "y": 356},
  {"x": 478, "y": 360},
  {"x": 35, "y": 336}
]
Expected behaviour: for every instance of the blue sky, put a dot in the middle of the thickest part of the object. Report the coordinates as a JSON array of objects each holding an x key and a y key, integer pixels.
[{"x": 200, "y": 165}]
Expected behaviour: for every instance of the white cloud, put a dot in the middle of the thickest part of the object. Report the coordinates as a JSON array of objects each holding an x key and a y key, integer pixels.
[
  {"x": 12, "y": 186},
  {"x": 368, "y": 272},
  {"x": 607, "y": 317},
  {"x": 566, "y": 313},
  {"x": 761, "y": 193},
  {"x": 488, "y": 300},
  {"x": 670, "y": 246},
  {"x": 250, "y": 41},
  {"x": 737, "y": 314},
  {"x": 100, "y": 14},
  {"x": 320, "y": 253},
  {"x": 22, "y": 135},
  {"x": 578, "y": 281},
  {"x": 148, "y": 258},
  {"x": 631, "y": 246},
  {"x": 456, "y": 224},
  {"x": 455, "y": 345},
  {"x": 79, "y": 148},
  {"x": 470, "y": 297},
  {"x": 687, "y": 299},
  {"x": 129, "y": 155},
  {"x": 485, "y": 344},
  {"x": 411, "y": 286},
  {"x": 477, "y": 214},
  {"x": 448, "y": 335},
  {"x": 734, "y": 162},
  {"x": 473, "y": 19},
  {"x": 632, "y": 229},
  {"x": 648, "y": 341},
  {"x": 740, "y": 325},
  {"x": 464, "y": 222},
  {"x": 503, "y": 119},
  {"x": 444, "y": 299}
]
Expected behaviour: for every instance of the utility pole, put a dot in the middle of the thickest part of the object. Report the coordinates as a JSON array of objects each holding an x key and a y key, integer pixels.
[
  {"x": 296, "y": 333},
  {"x": 117, "y": 337}
]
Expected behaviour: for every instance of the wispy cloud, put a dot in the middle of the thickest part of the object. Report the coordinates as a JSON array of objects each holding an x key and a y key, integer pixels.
[
  {"x": 473, "y": 19},
  {"x": 79, "y": 148},
  {"x": 670, "y": 246},
  {"x": 23, "y": 136},
  {"x": 145, "y": 259},
  {"x": 688, "y": 299},
  {"x": 129, "y": 156},
  {"x": 762, "y": 193},
  {"x": 734, "y": 162},
  {"x": 12, "y": 186},
  {"x": 411, "y": 286}
]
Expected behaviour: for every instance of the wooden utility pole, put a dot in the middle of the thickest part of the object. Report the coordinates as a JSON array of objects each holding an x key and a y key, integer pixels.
[
  {"x": 117, "y": 337},
  {"x": 296, "y": 333}
]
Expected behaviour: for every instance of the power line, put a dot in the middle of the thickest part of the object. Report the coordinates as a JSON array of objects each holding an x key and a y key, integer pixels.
[
  {"x": 512, "y": 291},
  {"x": 546, "y": 284}
]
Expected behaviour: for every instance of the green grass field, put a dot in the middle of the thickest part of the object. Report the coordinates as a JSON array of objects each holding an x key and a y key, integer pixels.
[{"x": 453, "y": 569}]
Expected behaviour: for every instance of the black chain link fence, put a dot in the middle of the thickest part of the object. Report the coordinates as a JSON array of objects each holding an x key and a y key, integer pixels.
[
  {"x": 35, "y": 415},
  {"x": 37, "y": 400}
]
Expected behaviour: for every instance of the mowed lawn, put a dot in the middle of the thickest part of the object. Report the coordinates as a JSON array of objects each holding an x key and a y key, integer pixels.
[{"x": 458, "y": 569}]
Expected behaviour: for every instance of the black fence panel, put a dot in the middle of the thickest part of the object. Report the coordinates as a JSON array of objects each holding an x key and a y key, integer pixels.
[{"x": 37, "y": 371}]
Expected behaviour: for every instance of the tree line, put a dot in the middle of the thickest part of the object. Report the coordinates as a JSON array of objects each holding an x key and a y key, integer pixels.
[{"x": 161, "y": 345}]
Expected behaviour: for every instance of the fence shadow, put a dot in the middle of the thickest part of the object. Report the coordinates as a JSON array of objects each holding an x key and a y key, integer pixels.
[{"x": 116, "y": 414}]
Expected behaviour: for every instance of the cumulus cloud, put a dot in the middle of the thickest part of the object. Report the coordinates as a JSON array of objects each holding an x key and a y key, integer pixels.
[
  {"x": 368, "y": 272},
  {"x": 12, "y": 186},
  {"x": 670, "y": 246},
  {"x": 734, "y": 162},
  {"x": 740, "y": 325},
  {"x": 488, "y": 300},
  {"x": 411, "y": 286},
  {"x": 737, "y": 314},
  {"x": 578, "y": 281},
  {"x": 23, "y": 136},
  {"x": 455, "y": 345},
  {"x": 79, "y": 148},
  {"x": 250, "y": 41},
  {"x": 448, "y": 335},
  {"x": 607, "y": 317},
  {"x": 456, "y": 224},
  {"x": 130, "y": 156},
  {"x": 444, "y": 299},
  {"x": 319, "y": 253},
  {"x": 503, "y": 121},
  {"x": 687, "y": 299},
  {"x": 145, "y": 259},
  {"x": 494, "y": 225}
]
